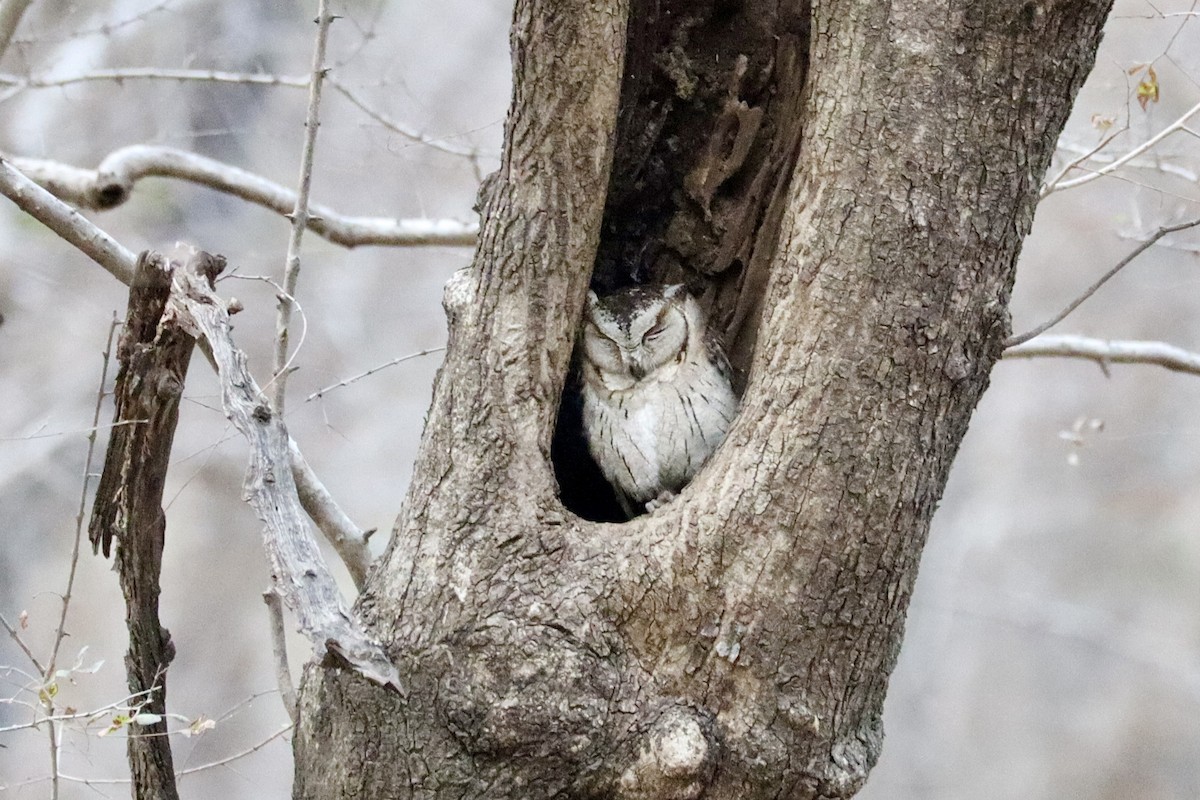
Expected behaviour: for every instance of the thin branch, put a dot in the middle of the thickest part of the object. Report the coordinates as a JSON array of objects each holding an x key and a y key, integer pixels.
[
  {"x": 103, "y": 29},
  {"x": 299, "y": 215},
  {"x": 11, "y": 12},
  {"x": 190, "y": 770},
  {"x": 407, "y": 132},
  {"x": 1174, "y": 127},
  {"x": 54, "y": 742},
  {"x": 60, "y": 631},
  {"x": 372, "y": 371},
  {"x": 1105, "y": 352},
  {"x": 283, "y": 673},
  {"x": 119, "y": 75},
  {"x": 347, "y": 539},
  {"x": 1091, "y": 290},
  {"x": 16, "y": 637},
  {"x": 112, "y": 183},
  {"x": 158, "y": 73},
  {"x": 66, "y": 222},
  {"x": 1052, "y": 185}
]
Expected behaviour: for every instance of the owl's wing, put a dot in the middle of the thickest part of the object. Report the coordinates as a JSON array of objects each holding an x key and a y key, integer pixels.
[{"x": 712, "y": 342}]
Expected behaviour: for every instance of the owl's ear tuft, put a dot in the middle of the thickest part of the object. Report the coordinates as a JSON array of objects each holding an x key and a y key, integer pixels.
[{"x": 592, "y": 300}]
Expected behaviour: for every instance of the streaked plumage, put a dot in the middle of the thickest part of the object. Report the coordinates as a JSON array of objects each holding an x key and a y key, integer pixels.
[{"x": 656, "y": 391}]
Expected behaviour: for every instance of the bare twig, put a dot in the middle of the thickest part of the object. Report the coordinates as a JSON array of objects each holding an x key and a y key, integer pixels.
[
  {"x": 347, "y": 539},
  {"x": 372, "y": 371},
  {"x": 1052, "y": 185},
  {"x": 220, "y": 762},
  {"x": 301, "y": 574},
  {"x": 1091, "y": 290},
  {"x": 11, "y": 12},
  {"x": 112, "y": 183},
  {"x": 20, "y": 83},
  {"x": 60, "y": 631},
  {"x": 53, "y": 732},
  {"x": 406, "y": 131},
  {"x": 1105, "y": 352},
  {"x": 299, "y": 215},
  {"x": 157, "y": 73},
  {"x": 66, "y": 222},
  {"x": 103, "y": 29},
  {"x": 283, "y": 673},
  {"x": 16, "y": 637},
  {"x": 1174, "y": 127}
]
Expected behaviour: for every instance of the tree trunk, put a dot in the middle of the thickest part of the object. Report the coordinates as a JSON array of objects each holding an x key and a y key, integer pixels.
[{"x": 735, "y": 644}]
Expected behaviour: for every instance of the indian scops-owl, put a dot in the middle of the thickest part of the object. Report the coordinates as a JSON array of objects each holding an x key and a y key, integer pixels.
[{"x": 656, "y": 391}]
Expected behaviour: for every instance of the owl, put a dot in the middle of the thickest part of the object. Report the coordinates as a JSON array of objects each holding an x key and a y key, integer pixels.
[{"x": 656, "y": 391}]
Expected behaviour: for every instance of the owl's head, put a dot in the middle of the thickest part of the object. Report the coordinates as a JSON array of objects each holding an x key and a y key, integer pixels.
[{"x": 639, "y": 333}]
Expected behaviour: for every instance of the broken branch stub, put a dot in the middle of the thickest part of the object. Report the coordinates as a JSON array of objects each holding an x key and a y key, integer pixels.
[{"x": 128, "y": 507}]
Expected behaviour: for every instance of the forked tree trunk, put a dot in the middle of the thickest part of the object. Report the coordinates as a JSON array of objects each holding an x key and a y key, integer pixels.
[{"x": 736, "y": 644}]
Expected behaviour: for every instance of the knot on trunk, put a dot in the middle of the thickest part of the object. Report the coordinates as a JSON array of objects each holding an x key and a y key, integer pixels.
[{"x": 675, "y": 759}]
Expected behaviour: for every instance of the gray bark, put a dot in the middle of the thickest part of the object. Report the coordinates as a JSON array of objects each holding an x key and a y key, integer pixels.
[
  {"x": 128, "y": 507},
  {"x": 737, "y": 643}
]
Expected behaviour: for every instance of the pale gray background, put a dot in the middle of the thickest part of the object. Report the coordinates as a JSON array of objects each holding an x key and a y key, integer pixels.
[{"x": 1053, "y": 648}]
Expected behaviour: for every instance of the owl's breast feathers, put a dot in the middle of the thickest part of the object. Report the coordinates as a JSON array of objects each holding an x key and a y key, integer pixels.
[{"x": 654, "y": 434}]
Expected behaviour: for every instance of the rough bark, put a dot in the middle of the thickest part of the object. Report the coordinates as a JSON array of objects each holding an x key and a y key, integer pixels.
[
  {"x": 737, "y": 643},
  {"x": 128, "y": 507}
]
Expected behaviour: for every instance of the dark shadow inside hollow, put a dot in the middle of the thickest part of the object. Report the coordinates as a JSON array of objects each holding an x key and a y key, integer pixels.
[
  {"x": 707, "y": 133},
  {"x": 582, "y": 486}
]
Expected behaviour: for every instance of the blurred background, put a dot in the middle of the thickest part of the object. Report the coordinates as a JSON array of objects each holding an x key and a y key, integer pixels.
[{"x": 1053, "y": 646}]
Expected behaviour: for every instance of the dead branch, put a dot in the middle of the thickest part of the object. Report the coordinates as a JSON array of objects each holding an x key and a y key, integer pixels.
[
  {"x": 66, "y": 222},
  {"x": 346, "y": 538},
  {"x": 299, "y": 215},
  {"x": 283, "y": 674},
  {"x": 1105, "y": 352},
  {"x": 157, "y": 73},
  {"x": 299, "y": 570},
  {"x": 1179, "y": 124},
  {"x": 113, "y": 181},
  {"x": 349, "y": 540},
  {"x": 1091, "y": 290},
  {"x": 128, "y": 507},
  {"x": 11, "y": 12}
]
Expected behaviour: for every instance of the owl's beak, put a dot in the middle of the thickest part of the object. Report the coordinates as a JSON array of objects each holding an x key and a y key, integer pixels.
[{"x": 637, "y": 371}]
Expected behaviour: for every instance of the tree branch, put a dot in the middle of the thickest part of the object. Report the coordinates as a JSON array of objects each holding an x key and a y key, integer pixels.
[
  {"x": 299, "y": 215},
  {"x": 1091, "y": 290},
  {"x": 11, "y": 12},
  {"x": 121, "y": 74},
  {"x": 300, "y": 572},
  {"x": 283, "y": 674},
  {"x": 346, "y": 538},
  {"x": 112, "y": 183},
  {"x": 1106, "y": 352},
  {"x": 399, "y": 127},
  {"x": 158, "y": 73},
  {"x": 66, "y": 222},
  {"x": 1174, "y": 127}
]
